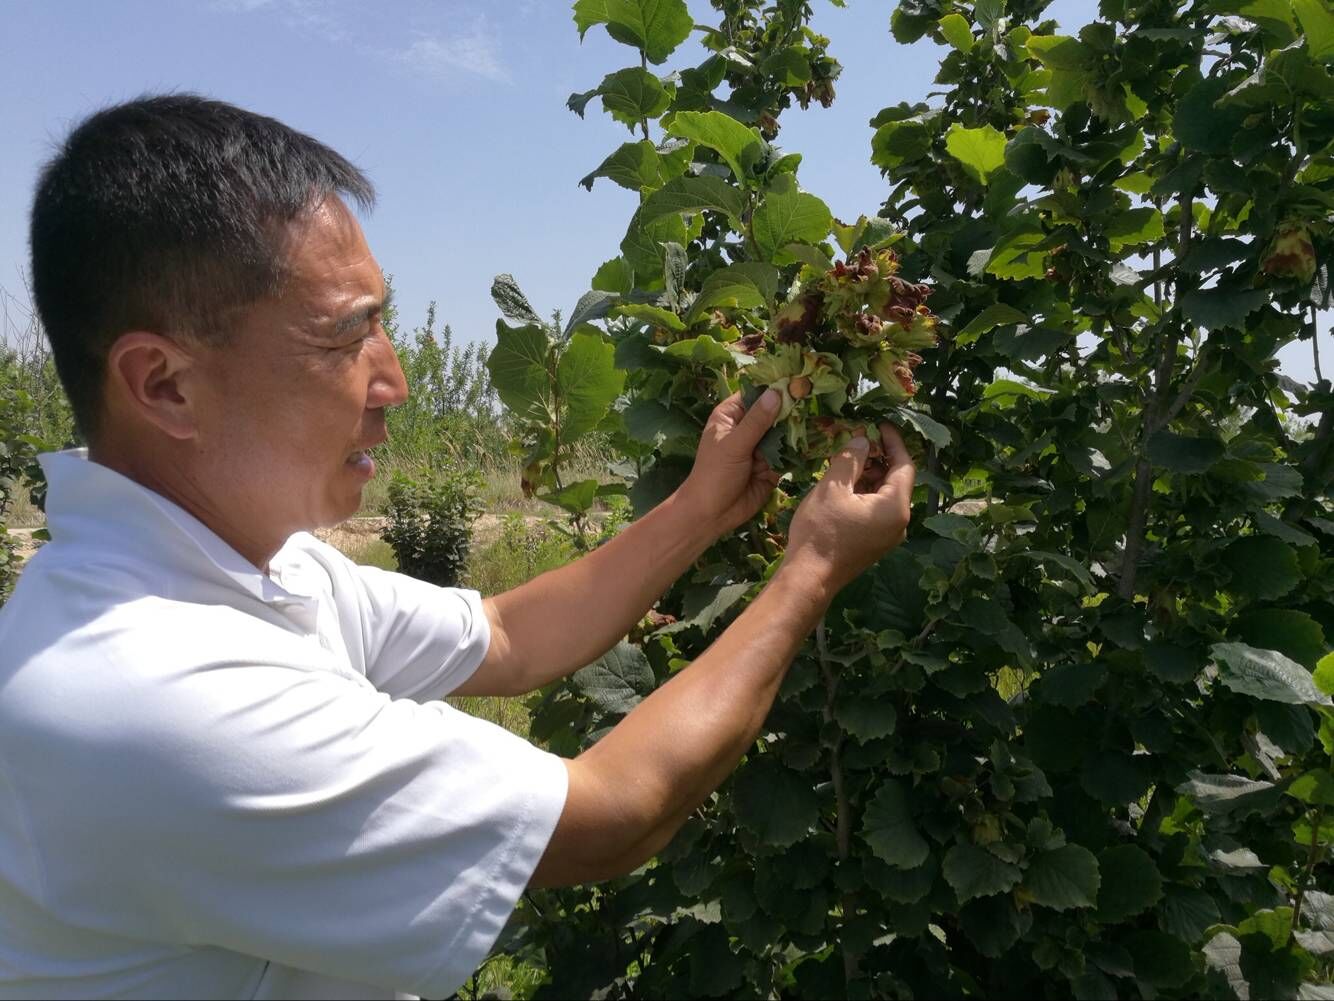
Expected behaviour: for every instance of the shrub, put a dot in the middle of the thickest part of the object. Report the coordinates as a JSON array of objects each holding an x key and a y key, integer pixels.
[{"x": 430, "y": 523}]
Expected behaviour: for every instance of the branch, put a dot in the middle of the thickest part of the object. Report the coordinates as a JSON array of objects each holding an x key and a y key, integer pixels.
[{"x": 843, "y": 816}]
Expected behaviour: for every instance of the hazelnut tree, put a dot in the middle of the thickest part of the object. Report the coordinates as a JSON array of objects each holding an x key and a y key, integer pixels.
[{"x": 1074, "y": 736}]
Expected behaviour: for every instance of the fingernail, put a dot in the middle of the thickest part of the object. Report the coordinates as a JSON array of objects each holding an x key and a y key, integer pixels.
[
  {"x": 770, "y": 399},
  {"x": 859, "y": 445}
]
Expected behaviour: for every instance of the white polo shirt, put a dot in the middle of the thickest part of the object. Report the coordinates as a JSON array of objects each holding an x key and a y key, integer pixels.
[{"x": 215, "y": 783}]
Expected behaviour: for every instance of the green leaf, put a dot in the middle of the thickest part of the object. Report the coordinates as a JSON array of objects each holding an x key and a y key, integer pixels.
[
  {"x": 1135, "y": 227},
  {"x": 702, "y": 350},
  {"x": 790, "y": 66},
  {"x": 618, "y": 680},
  {"x": 1318, "y": 27},
  {"x": 1160, "y": 960},
  {"x": 518, "y": 367},
  {"x": 899, "y": 142},
  {"x": 513, "y": 304},
  {"x": 655, "y": 27},
  {"x": 638, "y": 166},
  {"x": 1315, "y": 787},
  {"x": 644, "y": 241},
  {"x": 1220, "y": 308},
  {"x": 975, "y": 872},
  {"x": 866, "y": 719},
  {"x": 903, "y": 886},
  {"x": 691, "y": 194},
  {"x": 1184, "y": 454},
  {"x": 981, "y": 150},
  {"x": 888, "y": 828},
  {"x": 774, "y": 802},
  {"x": 1064, "y": 878},
  {"x": 931, "y": 429},
  {"x": 615, "y": 276},
  {"x": 1200, "y": 124},
  {"x": 1220, "y": 794},
  {"x": 632, "y": 95},
  {"x": 1265, "y": 674},
  {"x": 1069, "y": 564},
  {"x": 1188, "y": 913},
  {"x": 721, "y": 133},
  {"x": 996, "y": 315},
  {"x": 957, "y": 32},
  {"x": 588, "y": 381},
  {"x": 646, "y": 419},
  {"x": 575, "y": 498},
  {"x": 1293, "y": 634},
  {"x": 1262, "y": 566},
  {"x": 749, "y": 285},
  {"x": 1131, "y": 883},
  {"x": 704, "y": 606},
  {"x": 785, "y": 217},
  {"x": 1059, "y": 52},
  {"x": 1324, "y": 674},
  {"x": 654, "y": 316}
]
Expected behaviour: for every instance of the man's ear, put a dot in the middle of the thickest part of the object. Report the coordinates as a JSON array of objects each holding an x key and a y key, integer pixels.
[{"x": 149, "y": 377}]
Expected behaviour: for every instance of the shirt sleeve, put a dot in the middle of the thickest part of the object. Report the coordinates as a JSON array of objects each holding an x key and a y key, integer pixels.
[
  {"x": 421, "y": 641},
  {"x": 290, "y": 814},
  {"x": 414, "y": 640}
]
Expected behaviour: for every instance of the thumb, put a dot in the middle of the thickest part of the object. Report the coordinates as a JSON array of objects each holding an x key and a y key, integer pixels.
[
  {"x": 746, "y": 436},
  {"x": 845, "y": 468}
]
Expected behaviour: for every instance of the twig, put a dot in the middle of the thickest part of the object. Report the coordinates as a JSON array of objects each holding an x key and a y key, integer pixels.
[
  {"x": 1315, "y": 346},
  {"x": 843, "y": 816},
  {"x": 1312, "y": 858}
]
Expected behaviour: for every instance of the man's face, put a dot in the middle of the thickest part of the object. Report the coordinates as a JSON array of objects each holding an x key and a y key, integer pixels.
[{"x": 291, "y": 402}]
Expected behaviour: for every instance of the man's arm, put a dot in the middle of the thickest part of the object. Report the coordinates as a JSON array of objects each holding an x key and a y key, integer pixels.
[
  {"x": 568, "y": 617},
  {"x": 630, "y": 792}
]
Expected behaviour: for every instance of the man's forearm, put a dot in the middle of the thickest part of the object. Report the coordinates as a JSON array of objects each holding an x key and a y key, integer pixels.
[
  {"x": 568, "y": 617},
  {"x": 665, "y": 758}
]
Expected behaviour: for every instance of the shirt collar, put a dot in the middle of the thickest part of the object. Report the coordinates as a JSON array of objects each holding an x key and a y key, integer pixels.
[{"x": 89, "y": 504}]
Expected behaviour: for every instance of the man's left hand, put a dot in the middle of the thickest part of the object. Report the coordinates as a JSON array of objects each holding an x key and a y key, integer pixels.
[{"x": 730, "y": 480}]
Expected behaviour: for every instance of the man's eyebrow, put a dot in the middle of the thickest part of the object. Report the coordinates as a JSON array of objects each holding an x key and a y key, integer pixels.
[{"x": 363, "y": 315}]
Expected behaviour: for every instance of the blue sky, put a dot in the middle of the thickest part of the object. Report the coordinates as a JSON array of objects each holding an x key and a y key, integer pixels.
[{"x": 456, "y": 109}]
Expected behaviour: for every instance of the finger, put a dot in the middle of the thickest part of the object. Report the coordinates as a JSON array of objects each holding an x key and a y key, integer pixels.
[
  {"x": 758, "y": 420},
  {"x": 902, "y": 473},
  {"x": 845, "y": 468},
  {"x": 728, "y": 413}
]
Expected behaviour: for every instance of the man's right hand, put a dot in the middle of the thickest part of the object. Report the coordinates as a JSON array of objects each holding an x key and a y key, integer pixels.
[{"x": 837, "y": 532}]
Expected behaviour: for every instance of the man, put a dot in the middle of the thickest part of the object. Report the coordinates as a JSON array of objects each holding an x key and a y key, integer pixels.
[{"x": 225, "y": 769}]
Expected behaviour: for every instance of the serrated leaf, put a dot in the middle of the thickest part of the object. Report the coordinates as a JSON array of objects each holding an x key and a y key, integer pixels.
[
  {"x": 996, "y": 315},
  {"x": 656, "y": 27},
  {"x": 1188, "y": 913},
  {"x": 1324, "y": 674},
  {"x": 618, "y": 680},
  {"x": 897, "y": 143},
  {"x": 975, "y": 872},
  {"x": 980, "y": 150},
  {"x": 702, "y": 350},
  {"x": 931, "y": 429},
  {"x": 1217, "y": 794},
  {"x": 1131, "y": 883},
  {"x": 1293, "y": 634},
  {"x": 1059, "y": 51},
  {"x": 1135, "y": 227},
  {"x": 865, "y": 719},
  {"x": 1200, "y": 123},
  {"x": 519, "y": 373},
  {"x": 615, "y": 276},
  {"x": 1262, "y": 566},
  {"x": 513, "y": 304},
  {"x": 638, "y": 166},
  {"x": 1265, "y": 674},
  {"x": 646, "y": 419},
  {"x": 749, "y": 285},
  {"x": 1318, "y": 26},
  {"x": 1064, "y": 878},
  {"x": 774, "y": 802},
  {"x": 575, "y": 497},
  {"x": 957, "y": 32},
  {"x": 784, "y": 217},
  {"x": 1069, "y": 564},
  {"x": 588, "y": 381},
  {"x": 1315, "y": 787},
  {"x": 1183, "y": 453},
  {"x": 1160, "y": 960},
  {"x": 1221, "y": 308},
  {"x": 632, "y": 95},
  {"x": 654, "y": 316},
  {"x": 889, "y": 830},
  {"x": 721, "y": 133},
  {"x": 692, "y": 194}
]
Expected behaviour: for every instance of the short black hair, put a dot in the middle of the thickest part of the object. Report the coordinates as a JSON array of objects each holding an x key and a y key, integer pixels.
[{"x": 166, "y": 214}]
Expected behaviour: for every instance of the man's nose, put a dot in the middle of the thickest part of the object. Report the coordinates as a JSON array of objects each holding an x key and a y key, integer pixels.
[{"x": 389, "y": 386}]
